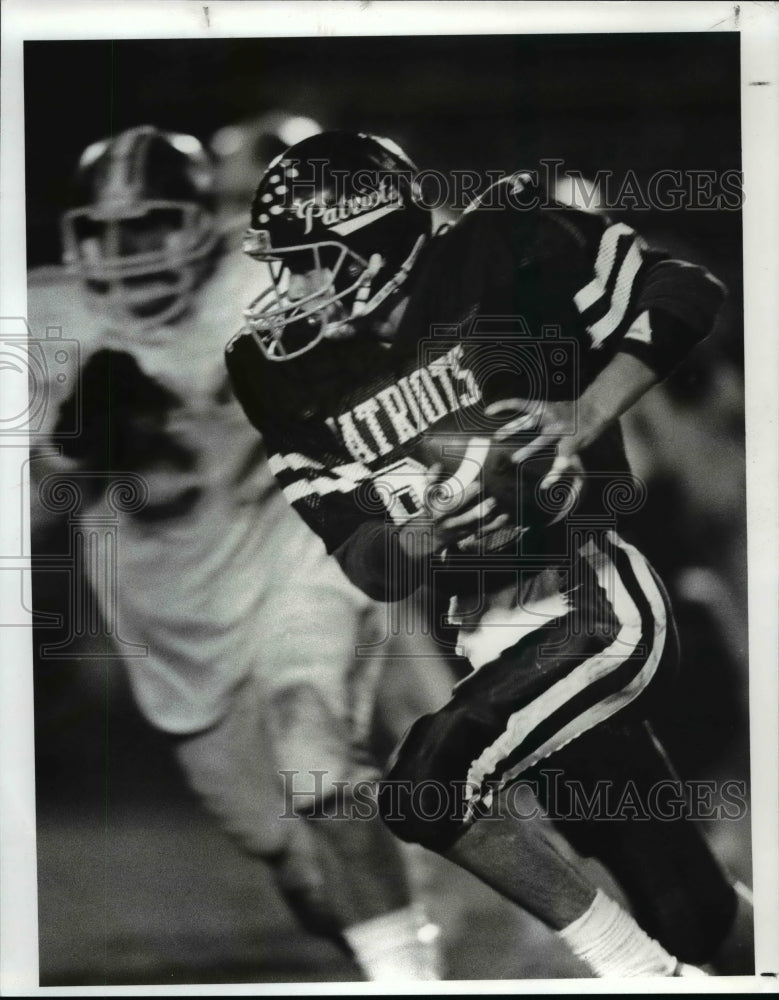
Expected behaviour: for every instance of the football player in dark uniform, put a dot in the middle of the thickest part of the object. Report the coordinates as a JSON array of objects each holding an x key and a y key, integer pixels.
[{"x": 443, "y": 411}]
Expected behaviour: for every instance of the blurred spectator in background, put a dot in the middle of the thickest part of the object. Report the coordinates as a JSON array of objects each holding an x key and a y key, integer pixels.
[
  {"x": 242, "y": 150},
  {"x": 697, "y": 488},
  {"x": 685, "y": 440}
]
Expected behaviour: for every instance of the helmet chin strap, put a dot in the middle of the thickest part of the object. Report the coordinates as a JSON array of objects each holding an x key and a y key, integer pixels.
[
  {"x": 375, "y": 264},
  {"x": 362, "y": 306},
  {"x": 395, "y": 282},
  {"x": 343, "y": 329}
]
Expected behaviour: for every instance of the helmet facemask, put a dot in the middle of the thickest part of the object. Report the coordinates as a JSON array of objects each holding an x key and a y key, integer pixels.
[
  {"x": 139, "y": 262},
  {"x": 352, "y": 289}
]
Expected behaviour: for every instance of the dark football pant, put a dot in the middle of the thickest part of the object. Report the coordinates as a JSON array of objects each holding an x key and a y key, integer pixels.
[
  {"x": 572, "y": 693},
  {"x": 676, "y": 887}
]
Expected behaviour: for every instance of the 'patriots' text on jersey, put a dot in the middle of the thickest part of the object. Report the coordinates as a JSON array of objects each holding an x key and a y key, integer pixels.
[{"x": 529, "y": 304}]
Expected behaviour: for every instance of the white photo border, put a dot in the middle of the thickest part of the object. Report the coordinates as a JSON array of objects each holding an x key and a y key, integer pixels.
[{"x": 758, "y": 24}]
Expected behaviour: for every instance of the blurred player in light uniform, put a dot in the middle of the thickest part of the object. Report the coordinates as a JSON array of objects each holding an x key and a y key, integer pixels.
[{"x": 251, "y": 630}]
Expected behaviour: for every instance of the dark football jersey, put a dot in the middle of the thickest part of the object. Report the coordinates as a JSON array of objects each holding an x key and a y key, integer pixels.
[{"x": 514, "y": 302}]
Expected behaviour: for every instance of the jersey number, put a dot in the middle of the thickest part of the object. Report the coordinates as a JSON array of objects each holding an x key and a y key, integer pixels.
[{"x": 401, "y": 487}]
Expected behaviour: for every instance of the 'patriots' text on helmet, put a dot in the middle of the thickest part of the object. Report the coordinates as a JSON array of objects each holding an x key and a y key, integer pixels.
[
  {"x": 344, "y": 205},
  {"x": 142, "y": 234}
]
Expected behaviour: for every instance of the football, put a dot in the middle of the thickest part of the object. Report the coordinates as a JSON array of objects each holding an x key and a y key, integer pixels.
[{"x": 509, "y": 469}]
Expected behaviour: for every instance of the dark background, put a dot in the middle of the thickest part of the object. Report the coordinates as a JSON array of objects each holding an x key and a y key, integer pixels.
[
  {"x": 135, "y": 882},
  {"x": 641, "y": 102}
]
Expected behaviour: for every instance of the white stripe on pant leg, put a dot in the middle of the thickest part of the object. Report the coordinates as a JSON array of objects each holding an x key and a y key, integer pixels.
[{"x": 523, "y": 721}]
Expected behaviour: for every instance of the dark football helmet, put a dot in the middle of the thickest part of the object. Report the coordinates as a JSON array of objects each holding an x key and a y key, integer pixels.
[
  {"x": 342, "y": 204},
  {"x": 142, "y": 234}
]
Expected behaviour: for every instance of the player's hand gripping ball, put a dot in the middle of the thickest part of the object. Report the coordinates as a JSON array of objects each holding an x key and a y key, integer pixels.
[{"x": 512, "y": 461}]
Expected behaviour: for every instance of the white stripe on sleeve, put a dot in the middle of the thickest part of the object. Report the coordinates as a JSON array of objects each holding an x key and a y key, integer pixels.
[
  {"x": 620, "y": 297},
  {"x": 294, "y": 461},
  {"x": 317, "y": 487},
  {"x": 604, "y": 265}
]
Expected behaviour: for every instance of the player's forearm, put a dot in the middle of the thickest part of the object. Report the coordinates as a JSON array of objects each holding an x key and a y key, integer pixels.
[
  {"x": 376, "y": 560},
  {"x": 677, "y": 308},
  {"x": 621, "y": 384}
]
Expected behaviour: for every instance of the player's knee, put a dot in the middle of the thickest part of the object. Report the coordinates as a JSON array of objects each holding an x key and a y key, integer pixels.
[
  {"x": 422, "y": 811},
  {"x": 249, "y": 812},
  {"x": 423, "y": 797},
  {"x": 264, "y": 839},
  {"x": 258, "y": 827}
]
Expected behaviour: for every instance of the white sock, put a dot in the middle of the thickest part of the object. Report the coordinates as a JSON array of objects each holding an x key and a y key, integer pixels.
[
  {"x": 402, "y": 944},
  {"x": 610, "y": 941}
]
